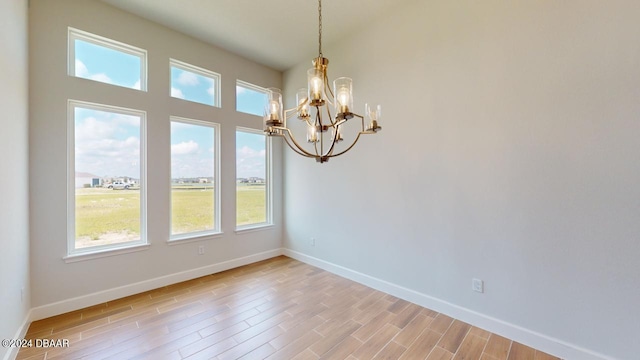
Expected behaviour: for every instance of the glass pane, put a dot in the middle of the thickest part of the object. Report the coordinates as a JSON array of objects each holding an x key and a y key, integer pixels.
[
  {"x": 107, "y": 65},
  {"x": 251, "y": 177},
  {"x": 192, "y": 86},
  {"x": 250, "y": 101},
  {"x": 192, "y": 178},
  {"x": 107, "y": 177}
]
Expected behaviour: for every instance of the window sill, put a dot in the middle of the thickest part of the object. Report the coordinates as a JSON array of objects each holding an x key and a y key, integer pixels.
[
  {"x": 104, "y": 253},
  {"x": 185, "y": 239},
  {"x": 252, "y": 228}
]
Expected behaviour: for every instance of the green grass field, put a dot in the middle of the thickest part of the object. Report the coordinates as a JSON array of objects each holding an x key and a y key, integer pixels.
[{"x": 103, "y": 214}]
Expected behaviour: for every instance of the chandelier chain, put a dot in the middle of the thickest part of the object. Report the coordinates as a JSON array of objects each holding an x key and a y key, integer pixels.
[{"x": 320, "y": 28}]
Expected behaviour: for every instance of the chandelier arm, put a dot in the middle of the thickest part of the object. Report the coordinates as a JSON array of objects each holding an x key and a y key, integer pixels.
[
  {"x": 333, "y": 143},
  {"x": 319, "y": 121},
  {"x": 288, "y": 114},
  {"x": 308, "y": 121},
  {"x": 352, "y": 145},
  {"x": 305, "y": 154},
  {"x": 296, "y": 143},
  {"x": 327, "y": 87},
  {"x": 338, "y": 123},
  {"x": 315, "y": 145},
  {"x": 333, "y": 123},
  {"x": 361, "y": 119}
]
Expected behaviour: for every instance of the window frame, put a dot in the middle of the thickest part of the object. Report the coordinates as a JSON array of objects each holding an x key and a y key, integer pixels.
[
  {"x": 74, "y": 254},
  {"x": 198, "y": 71},
  {"x": 76, "y": 34},
  {"x": 249, "y": 86},
  {"x": 217, "y": 230},
  {"x": 268, "y": 184}
]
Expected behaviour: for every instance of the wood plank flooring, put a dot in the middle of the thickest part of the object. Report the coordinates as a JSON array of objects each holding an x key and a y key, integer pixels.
[{"x": 275, "y": 309}]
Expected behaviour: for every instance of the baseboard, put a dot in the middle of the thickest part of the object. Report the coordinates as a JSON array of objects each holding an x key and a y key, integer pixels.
[
  {"x": 20, "y": 334},
  {"x": 528, "y": 337},
  {"x": 80, "y": 302}
]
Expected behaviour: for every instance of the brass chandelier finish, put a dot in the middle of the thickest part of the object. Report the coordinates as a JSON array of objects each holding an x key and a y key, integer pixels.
[{"x": 319, "y": 95}]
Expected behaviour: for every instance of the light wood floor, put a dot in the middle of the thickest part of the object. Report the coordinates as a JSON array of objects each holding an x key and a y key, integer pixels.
[{"x": 275, "y": 309}]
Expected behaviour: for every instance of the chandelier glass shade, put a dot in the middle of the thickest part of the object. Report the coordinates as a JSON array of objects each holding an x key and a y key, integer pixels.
[{"x": 324, "y": 109}]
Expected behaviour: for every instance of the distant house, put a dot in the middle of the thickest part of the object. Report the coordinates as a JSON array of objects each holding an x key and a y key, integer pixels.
[
  {"x": 251, "y": 180},
  {"x": 87, "y": 180},
  {"x": 203, "y": 181}
]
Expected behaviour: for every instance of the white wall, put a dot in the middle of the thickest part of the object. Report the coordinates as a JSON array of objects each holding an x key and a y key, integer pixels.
[
  {"x": 14, "y": 203},
  {"x": 509, "y": 153},
  {"x": 53, "y": 280}
]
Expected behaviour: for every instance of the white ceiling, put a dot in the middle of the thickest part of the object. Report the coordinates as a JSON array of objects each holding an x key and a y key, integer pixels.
[{"x": 276, "y": 33}]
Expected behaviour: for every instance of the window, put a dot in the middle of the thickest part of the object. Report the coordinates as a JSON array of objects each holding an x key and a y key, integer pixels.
[
  {"x": 253, "y": 206},
  {"x": 195, "y": 84},
  {"x": 96, "y": 58},
  {"x": 107, "y": 161},
  {"x": 250, "y": 99},
  {"x": 194, "y": 172}
]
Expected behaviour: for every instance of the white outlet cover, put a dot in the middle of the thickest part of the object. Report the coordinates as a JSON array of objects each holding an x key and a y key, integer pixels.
[{"x": 477, "y": 285}]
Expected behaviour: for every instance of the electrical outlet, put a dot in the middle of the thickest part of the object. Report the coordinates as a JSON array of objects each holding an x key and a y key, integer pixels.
[
  {"x": 313, "y": 241},
  {"x": 477, "y": 285},
  {"x": 201, "y": 250}
]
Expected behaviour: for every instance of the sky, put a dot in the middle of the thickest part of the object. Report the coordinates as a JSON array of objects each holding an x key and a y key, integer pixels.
[
  {"x": 194, "y": 87},
  {"x": 108, "y": 143},
  {"x": 192, "y": 150},
  {"x": 106, "y": 65},
  {"x": 250, "y": 101}
]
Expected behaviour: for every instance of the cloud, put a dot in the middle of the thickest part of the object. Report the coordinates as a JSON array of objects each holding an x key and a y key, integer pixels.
[
  {"x": 187, "y": 79},
  {"x": 185, "y": 148},
  {"x": 187, "y": 161},
  {"x": 101, "y": 77},
  {"x": 250, "y": 162},
  {"x": 240, "y": 90},
  {"x": 109, "y": 157},
  {"x": 246, "y": 152},
  {"x": 212, "y": 90},
  {"x": 82, "y": 71},
  {"x": 177, "y": 93},
  {"x": 107, "y": 144},
  {"x": 136, "y": 85},
  {"x": 91, "y": 128}
]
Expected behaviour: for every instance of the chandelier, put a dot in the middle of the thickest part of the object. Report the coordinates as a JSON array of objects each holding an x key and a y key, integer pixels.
[{"x": 322, "y": 97}]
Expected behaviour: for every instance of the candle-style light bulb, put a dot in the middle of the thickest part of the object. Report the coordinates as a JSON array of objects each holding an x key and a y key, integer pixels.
[
  {"x": 316, "y": 85},
  {"x": 273, "y": 108},
  {"x": 302, "y": 97},
  {"x": 315, "y": 78},
  {"x": 343, "y": 97},
  {"x": 374, "y": 114},
  {"x": 312, "y": 134},
  {"x": 343, "y": 88}
]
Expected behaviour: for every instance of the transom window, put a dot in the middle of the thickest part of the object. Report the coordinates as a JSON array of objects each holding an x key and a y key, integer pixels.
[
  {"x": 104, "y": 60},
  {"x": 195, "y": 84},
  {"x": 250, "y": 99}
]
